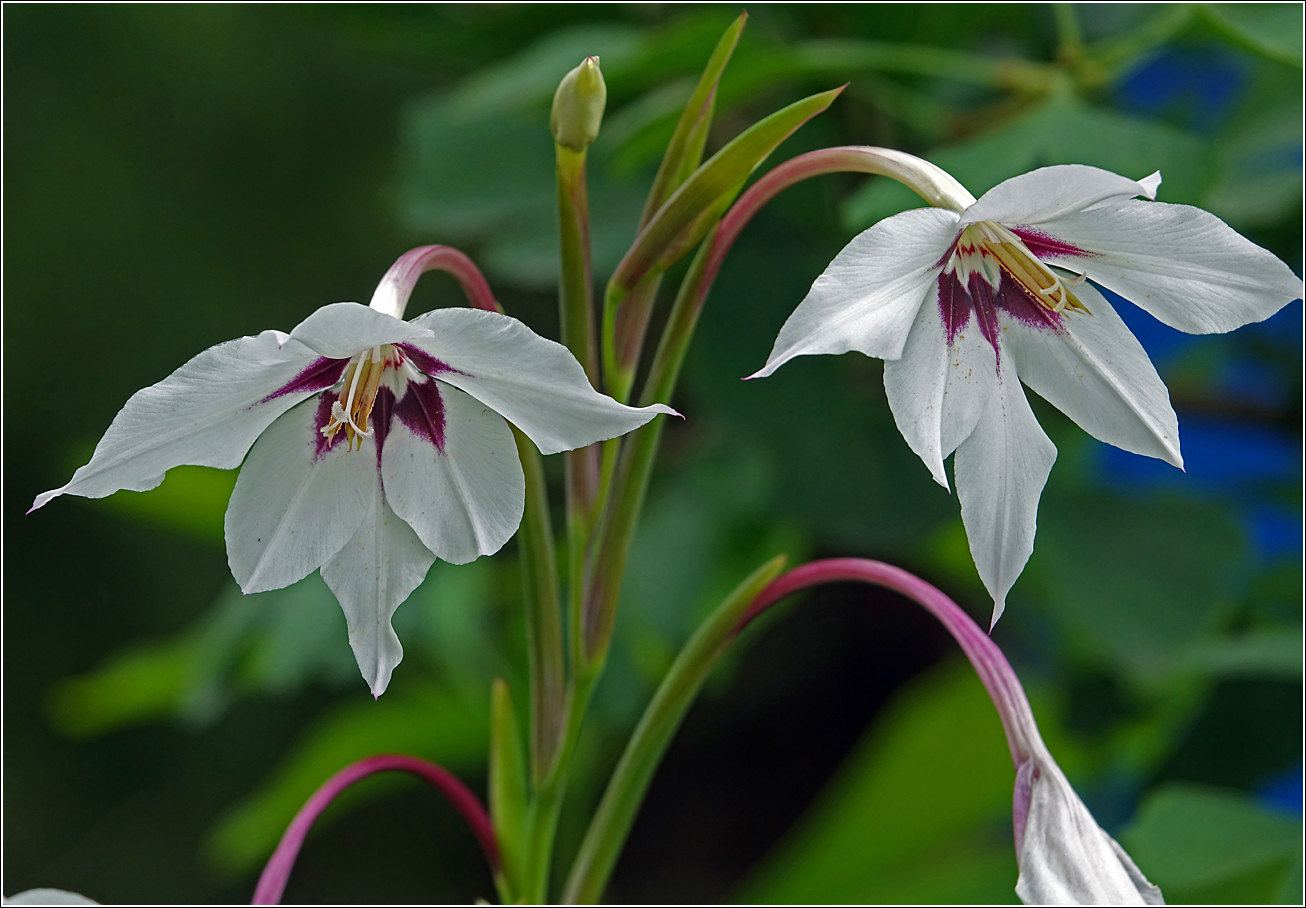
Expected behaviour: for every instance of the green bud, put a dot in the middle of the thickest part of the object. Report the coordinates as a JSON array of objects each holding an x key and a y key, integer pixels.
[{"x": 578, "y": 106}]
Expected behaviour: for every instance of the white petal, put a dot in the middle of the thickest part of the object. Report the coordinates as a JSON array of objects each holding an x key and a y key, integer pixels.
[
  {"x": 296, "y": 503},
  {"x": 458, "y": 484},
  {"x": 344, "y": 329},
  {"x": 1000, "y": 471},
  {"x": 1065, "y": 858},
  {"x": 867, "y": 298},
  {"x": 937, "y": 392},
  {"x": 207, "y": 413},
  {"x": 1054, "y": 192},
  {"x": 376, "y": 571},
  {"x": 48, "y": 897},
  {"x": 1183, "y": 265},
  {"x": 1096, "y": 372},
  {"x": 534, "y": 383}
]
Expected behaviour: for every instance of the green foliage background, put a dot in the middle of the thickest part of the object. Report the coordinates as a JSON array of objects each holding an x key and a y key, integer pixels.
[{"x": 178, "y": 176}]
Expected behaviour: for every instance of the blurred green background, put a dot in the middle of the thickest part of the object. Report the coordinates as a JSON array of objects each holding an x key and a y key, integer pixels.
[{"x": 178, "y": 176}]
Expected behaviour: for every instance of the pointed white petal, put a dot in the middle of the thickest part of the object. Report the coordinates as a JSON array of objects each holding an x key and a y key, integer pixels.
[
  {"x": 1096, "y": 372},
  {"x": 914, "y": 385},
  {"x": 869, "y": 295},
  {"x": 1065, "y": 858},
  {"x": 207, "y": 413},
  {"x": 344, "y": 329},
  {"x": 973, "y": 381},
  {"x": 371, "y": 576},
  {"x": 451, "y": 471},
  {"x": 297, "y": 502},
  {"x": 1183, "y": 265},
  {"x": 1050, "y": 193},
  {"x": 534, "y": 383},
  {"x": 937, "y": 392},
  {"x": 1000, "y": 471}
]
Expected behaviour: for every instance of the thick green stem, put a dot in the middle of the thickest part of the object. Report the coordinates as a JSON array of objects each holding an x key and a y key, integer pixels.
[
  {"x": 542, "y": 818},
  {"x": 625, "y": 792},
  {"x": 543, "y": 613},
  {"x": 576, "y": 309},
  {"x": 624, "y": 496}
]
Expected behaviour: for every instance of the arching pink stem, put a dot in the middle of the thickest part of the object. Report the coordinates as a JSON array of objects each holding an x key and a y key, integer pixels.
[
  {"x": 391, "y": 296},
  {"x": 994, "y": 671},
  {"x": 934, "y": 185},
  {"x": 272, "y": 883}
]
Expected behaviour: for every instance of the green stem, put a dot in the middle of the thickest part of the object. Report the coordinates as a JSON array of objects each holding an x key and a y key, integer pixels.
[
  {"x": 542, "y": 818},
  {"x": 543, "y": 614},
  {"x": 611, "y": 824},
  {"x": 576, "y": 310}
]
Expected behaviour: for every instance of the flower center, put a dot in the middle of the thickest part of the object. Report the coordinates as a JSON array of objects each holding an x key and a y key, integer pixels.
[
  {"x": 992, "y": 250},
  {"x": 366, "y": 373}
]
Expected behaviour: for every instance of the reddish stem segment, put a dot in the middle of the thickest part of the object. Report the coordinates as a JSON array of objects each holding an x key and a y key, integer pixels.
[
  {"x": 995, "y": 672},
  {"x": 391, "y": 296},
  {"x": 272, "y": 883}
]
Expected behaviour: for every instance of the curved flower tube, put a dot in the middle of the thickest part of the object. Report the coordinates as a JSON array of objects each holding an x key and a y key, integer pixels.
[
  {"x": 375, "y": 444},
  {"x": 1063, "y": 855},
  {"x": 965, "y": 301},
  {"x": 272, "y": 882}
]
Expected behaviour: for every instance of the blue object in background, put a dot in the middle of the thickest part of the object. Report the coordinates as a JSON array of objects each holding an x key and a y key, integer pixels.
[
  {"x": 1197, "y": 86},
  {"x": 1282, "y": 794}
]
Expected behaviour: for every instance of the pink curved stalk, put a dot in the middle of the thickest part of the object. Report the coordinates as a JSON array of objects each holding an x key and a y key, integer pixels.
[
  {"x": 272, "y": 883},
  {"x": 994, "y": 671},
  {"x": 932, "y": 184},
  {"x": 396, "y": 286}
]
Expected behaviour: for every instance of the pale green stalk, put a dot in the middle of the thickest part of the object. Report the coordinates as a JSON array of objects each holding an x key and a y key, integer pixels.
[{"x": 625, "y": 792}]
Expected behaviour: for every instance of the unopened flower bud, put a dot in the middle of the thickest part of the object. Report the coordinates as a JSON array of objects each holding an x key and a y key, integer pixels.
[{"x": 578, "y": 106}]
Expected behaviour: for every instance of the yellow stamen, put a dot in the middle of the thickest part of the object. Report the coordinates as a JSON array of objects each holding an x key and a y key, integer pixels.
[
  {"x": 358, "y": 390},
  {"x": 1021, "y": 265}
]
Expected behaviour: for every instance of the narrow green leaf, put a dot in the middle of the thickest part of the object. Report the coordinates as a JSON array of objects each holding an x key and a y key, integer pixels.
[
  {"x": 724, "y": 173},
  {"x": 630, "y": 780},
  {"x": 685, "y": 151},
  {"x": 507, "y": 785}
]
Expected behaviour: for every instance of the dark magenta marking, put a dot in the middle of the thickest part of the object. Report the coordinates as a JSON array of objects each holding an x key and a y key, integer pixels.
[
  {"x": 422, "y": 411},
  {"x": 1044, "y": 246},
  {"x": 957, "y": 303},
  {"x": 985, "y": 306},
  {"x": 382, "y": 410},
  {"x": 321, "y": 444},
  {"x": 1021, "y": 305},
  {"x": 425, "y": 362},
  {"x": 321, "y": 373},
  {"x": 954, "y": 305}
]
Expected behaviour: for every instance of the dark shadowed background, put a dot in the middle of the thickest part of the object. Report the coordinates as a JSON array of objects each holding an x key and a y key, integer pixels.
[{"x": 178, "y": 176}]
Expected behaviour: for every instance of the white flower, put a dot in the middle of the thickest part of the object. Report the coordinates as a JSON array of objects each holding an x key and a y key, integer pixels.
[
  {"x": 963, "y": 305},
  {"x": 1064, "y": 857},
  {"x": 378, "y": 445}
]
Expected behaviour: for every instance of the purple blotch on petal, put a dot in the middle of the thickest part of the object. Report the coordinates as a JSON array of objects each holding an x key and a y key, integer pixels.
[
  {"x": 1045, "y": 246},
  {"x": 422, "y": 411},
  {"x": 425, "y": 362},
  {"x": 986, "y": 312},
  {"x": 1017, "y": 302},
  {"x": 321, "y": 373},
  {"x": 954, "y": 305},
  {"x": 321, "y": 444},
  {"x": 382, "y": 411}
]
